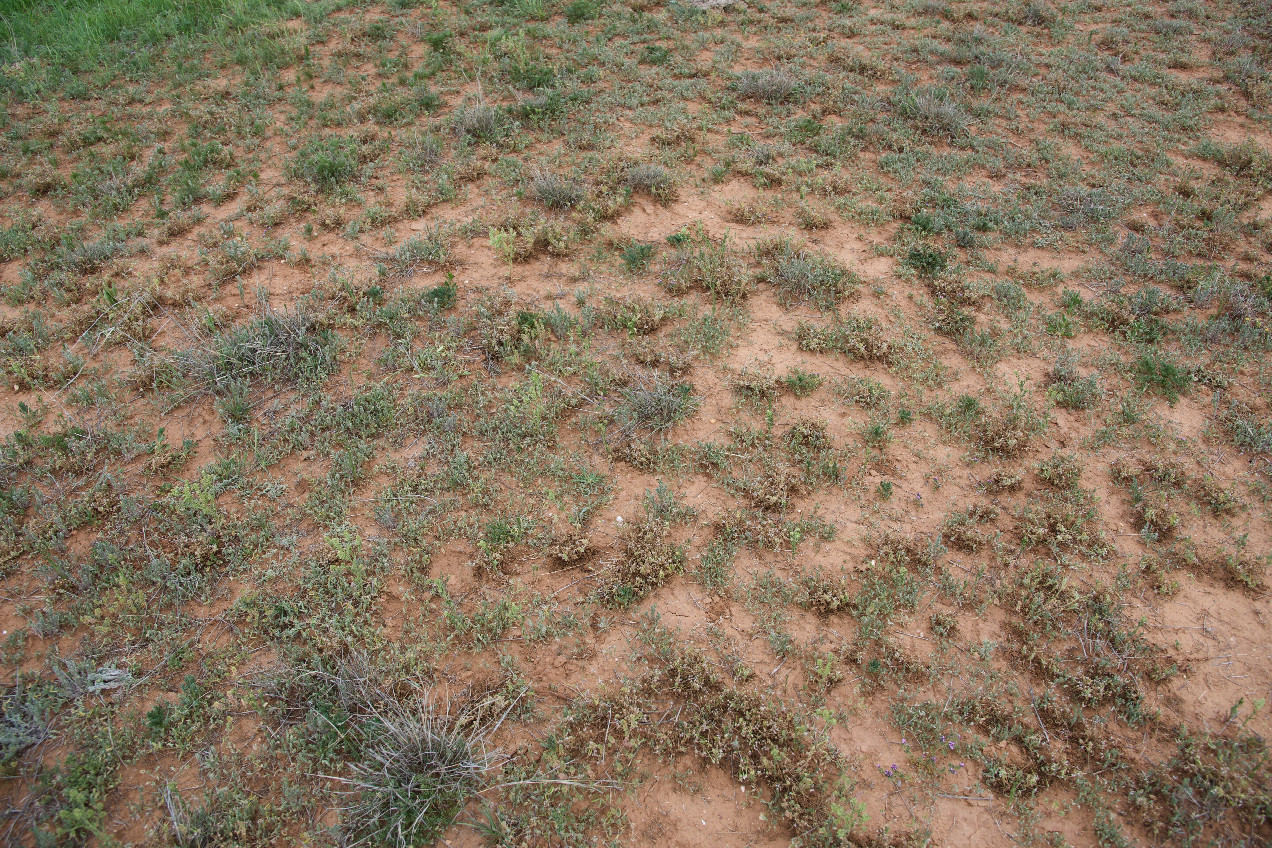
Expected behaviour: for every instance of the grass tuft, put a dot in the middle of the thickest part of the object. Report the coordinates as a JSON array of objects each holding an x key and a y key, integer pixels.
[
  {"x": 290, "y": 346},
  {"x": 803, "y": 276},
  {"x": 654, "y": 406},
  {"x": 326, "y": 164},
  {"x": 556, "y": 192},
  {"x": 768, "y": 86}
]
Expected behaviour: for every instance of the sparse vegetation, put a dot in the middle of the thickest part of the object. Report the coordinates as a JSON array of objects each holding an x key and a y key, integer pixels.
[{"x": 516, "y": 422}]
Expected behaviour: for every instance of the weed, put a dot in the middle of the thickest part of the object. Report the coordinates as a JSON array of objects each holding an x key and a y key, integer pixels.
[
  {"x": 769, "y": 86},
  {"x": 481, "y": 122},
  {"x": 756, "y": 387},
  {"x": 326, "y": 164},
  {"x": 734, "y": 728},
  {"x": 1061, "y": 470},
  {"x": 1068, "y": 387},
  {"x": 961, "y": 529},
  {"x": 811, "y": 217},
  {"x": 646, "y": 560},
  {"x": 26, "y": 718},
  {"x": 707, "y": 266},
  {"x": 651, "y": 179},
  {"x": 664, "y": 506},
  {"x": 1162, "y": 376},
  {"x": 292, "y": 346},
  {"x": 714, "y": 564},
  {"x": 521, "y": 237},
  {"x": 927, "y": 260},
  {"x": 636, "y": 315},
  {"x": 556, "y": 192},
  {"x": 424, "y": 252},
  {"x": 802, "y": 276},
  {"x": 1063, "y": 522},
  {"x": 224, "y": 815},
  {"x": 653, "y": 406},
  {"x": 801, "y": 383},
  {"x": 827, "y": 595},
  {"x": 852, "y": 336},
  {"x": 864, "y": 391},
  {"x": 1006, "y": 428},
  {"x": 710, "y": 333},
  {"x": 932, "y": 111},
  {"x": 636, "y": 257},
  {"x": 1233, "y": 764},
  {"x": 1249, "y": 431}
]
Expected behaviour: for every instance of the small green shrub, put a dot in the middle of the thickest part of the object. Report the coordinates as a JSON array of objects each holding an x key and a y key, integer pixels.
[
  {"x": 1161, "y": 375},
  {"x": 801, "y": 383},
  {"x": 927, "y": 260},
  {"x": 326, "y": 164},
  {"x": 582, "y": 10},
  {"x": 636, "y": 257}
]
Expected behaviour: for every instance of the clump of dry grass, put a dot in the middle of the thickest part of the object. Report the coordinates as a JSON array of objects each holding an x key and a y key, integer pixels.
[
  {"x": 556, "y": 192},
  {"x": 481, "y": 122},
  {"x": 293, "y": 345}
]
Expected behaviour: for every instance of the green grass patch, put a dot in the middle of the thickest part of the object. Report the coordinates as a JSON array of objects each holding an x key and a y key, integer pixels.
[{"x": 84, "y": 34}]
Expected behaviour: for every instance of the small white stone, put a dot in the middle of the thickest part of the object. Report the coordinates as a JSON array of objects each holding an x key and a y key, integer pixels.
[{"x": 618, "y": 520}]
